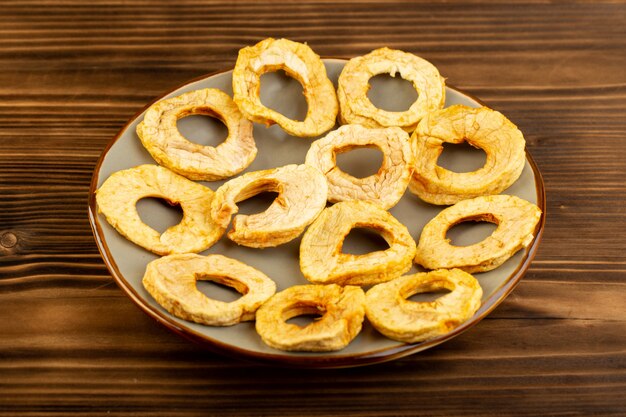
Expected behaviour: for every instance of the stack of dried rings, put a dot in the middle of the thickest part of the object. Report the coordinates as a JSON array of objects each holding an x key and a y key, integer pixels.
[{"x": 411, "y": 142}]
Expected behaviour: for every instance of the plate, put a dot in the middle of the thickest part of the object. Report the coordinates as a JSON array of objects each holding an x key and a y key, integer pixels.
[{"x": 127, "y": 262}]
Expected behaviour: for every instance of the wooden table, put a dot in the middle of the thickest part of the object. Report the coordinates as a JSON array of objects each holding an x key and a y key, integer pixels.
[{"x": 73, "y": 72}]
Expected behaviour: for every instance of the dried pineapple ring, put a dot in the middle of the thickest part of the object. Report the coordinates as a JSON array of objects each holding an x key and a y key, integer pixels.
[
  {"x": 160, "y": 136},
  {"x": 516, "y": 220},
  {"x": 171, "y": 280},
  {"x": 300, "y": 62},
  {"x": 388, "y": 309},
  {"x": 302, "y": 193},
  {"x": 482, "y": 128},
  {"x": 354, "y": 105},
  {"x": 118, "y": 196},
  {"x": 342, "y": 310},
  {"x": 387, "y": 186},
  {"x": 322, "y": 262}
]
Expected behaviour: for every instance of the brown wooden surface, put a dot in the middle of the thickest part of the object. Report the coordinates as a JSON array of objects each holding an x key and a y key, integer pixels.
[{"x": 73, "y": 72}]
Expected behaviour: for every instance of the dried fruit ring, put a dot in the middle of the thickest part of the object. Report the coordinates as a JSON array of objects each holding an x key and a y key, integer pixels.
[
  {"x": 118, "y": 196},
  {"x": 516, "y": 220},
  {"x": 160, "y": 136},
  {"x": 342, "y": 312},
  {"x": 354, "y": 105},
  {"x": 171, "y": 280},
  {"x": 300, "y": 62},
  {"x": 322, "y": 261},
  {"x": 302, "y": 193},
  {"x": 388, "y": 309},
  {"x": 482, "y": 128},
  {"x": 387, "y": 186}
]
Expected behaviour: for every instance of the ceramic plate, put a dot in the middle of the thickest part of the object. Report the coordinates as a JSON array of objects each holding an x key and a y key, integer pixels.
[{"x": 127, "y": 262}]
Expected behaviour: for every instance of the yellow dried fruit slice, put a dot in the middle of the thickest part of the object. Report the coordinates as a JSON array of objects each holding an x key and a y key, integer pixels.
[
  {"x": 172, "y": 282},
  {"x": 482, "y": 128},
  {"x": 117, "y": 199},
  {"x": 356, "y": 107},
  {"x": 387, "y": 186},
  {"x": 302, "y": 193},
  {"x": 321, "y": 258},
  {"x": 160, "y": 136},
  {"x": 342, "y": 312},
  {"x": 516, "y": 220},
  {"x": 298, "y": 61},
  {"x": 391, "y": 312}
]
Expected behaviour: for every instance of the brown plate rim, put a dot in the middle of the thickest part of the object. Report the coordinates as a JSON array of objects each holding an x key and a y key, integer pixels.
[{"x": 305, "y": 361}]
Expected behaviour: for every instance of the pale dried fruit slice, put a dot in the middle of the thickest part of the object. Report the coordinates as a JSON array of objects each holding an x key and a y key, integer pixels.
[
  {"x": 482, "y": 128},
  {"x": 516, "y": 220},
  {"x": 387, "y": 186},
  {"x": 356, "y": 107},
  {"x": 302, "y": 193},
  {"x": 342, "y": 312},
  {"x": 171, "y": 280},
  {"x": 298, "y": 61},
  {"x": 322, "y": 261},
  {"x": 160, "y": 136},
  {"x": 118, "y": 196},
  {"x": 391, "y": 312}
]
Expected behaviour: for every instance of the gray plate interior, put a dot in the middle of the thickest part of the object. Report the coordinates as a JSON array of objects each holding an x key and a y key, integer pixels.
[{"x": 276, "y": 148}]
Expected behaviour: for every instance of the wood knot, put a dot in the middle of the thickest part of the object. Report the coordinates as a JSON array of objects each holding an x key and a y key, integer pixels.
[{"x": 8, "y": 240}]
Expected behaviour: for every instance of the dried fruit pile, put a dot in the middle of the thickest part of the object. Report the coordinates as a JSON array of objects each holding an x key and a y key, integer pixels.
[{"x": 411, "y": 142}]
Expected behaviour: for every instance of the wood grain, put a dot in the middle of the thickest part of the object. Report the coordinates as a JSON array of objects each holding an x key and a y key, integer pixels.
[{"x": 73, "y": 72}]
